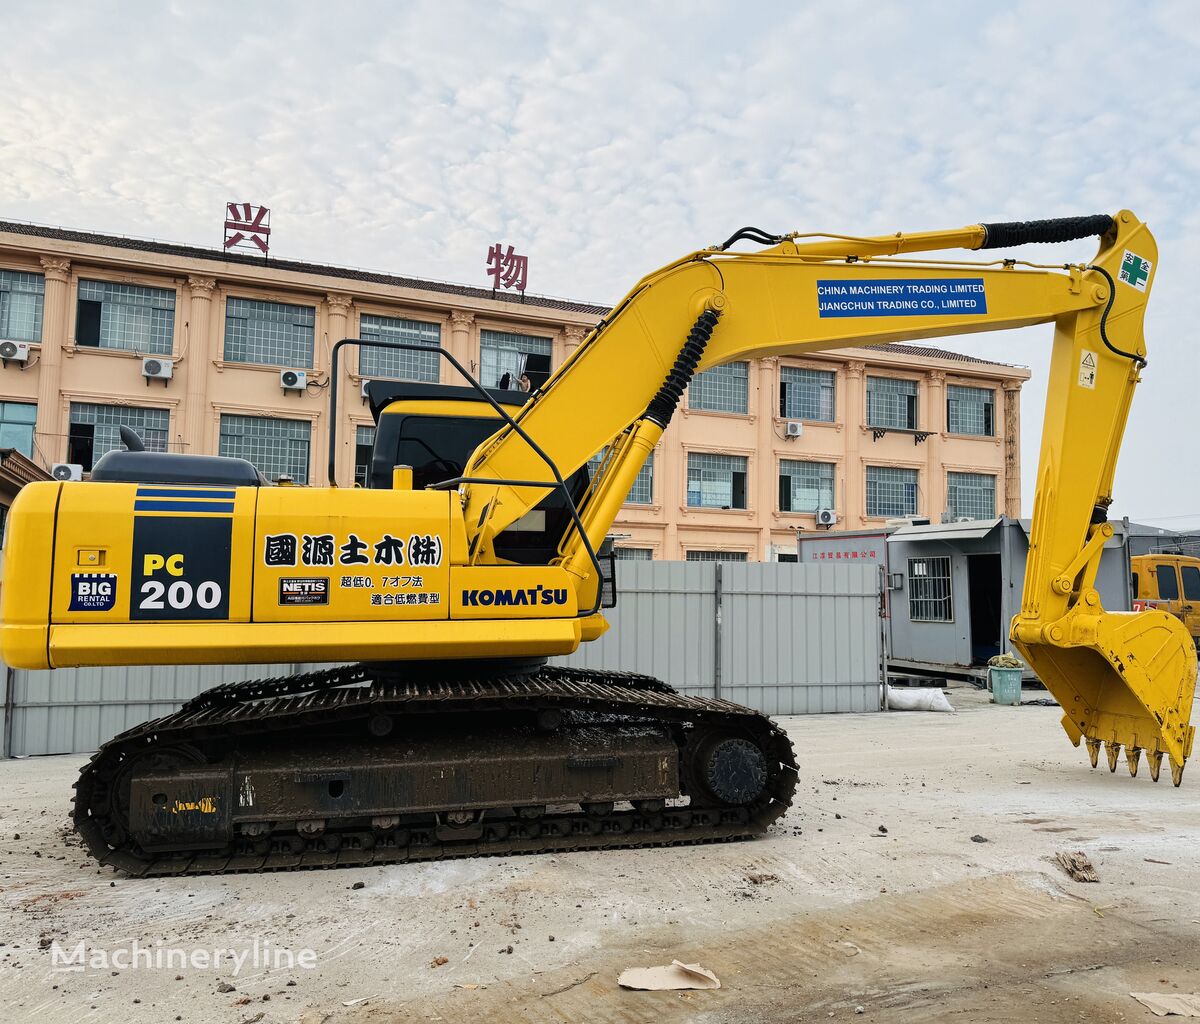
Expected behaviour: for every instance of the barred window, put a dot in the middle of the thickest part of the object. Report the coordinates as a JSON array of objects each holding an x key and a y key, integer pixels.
[
  {"x": 970, "y": 410},
  {"x": 364, "y": 446},
  {"x": 642, "y": 491},
  {"x": 929, "y": 598},
  {"x": 271, "y": 333},
  {"x": 971, "y": 494},
  {"x": 716, "y": 556},
  {"x": 721, "y": 389},
  {"x": 716, "y": 481},
  {"x": 17, "y": 420},
  {"x": 805, "y": 486},
  {"x": 399, "y": 364},
  {"x": 806, "y": 394},
  {"x": 275, "y": 447},
  {"x": 891, "y": 402},
  {"x": 94, "y": 430},
  {"x": 124, "y": 316},
  {"x": 502, "y": 353},
  {"x": 634, "y": 554},
  {"x": 21, "y": 299},
  {"x": 891, "y": 492}
]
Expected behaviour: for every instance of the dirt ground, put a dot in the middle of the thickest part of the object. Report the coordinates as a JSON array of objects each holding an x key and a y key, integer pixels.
[{"x": 913, "y": 880}]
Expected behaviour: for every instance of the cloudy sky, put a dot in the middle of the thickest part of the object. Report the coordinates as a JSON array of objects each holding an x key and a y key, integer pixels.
[{"x": 606, "y": 139}]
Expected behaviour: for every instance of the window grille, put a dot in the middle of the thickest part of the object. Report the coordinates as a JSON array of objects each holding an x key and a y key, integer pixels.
[
  {"x": 21, "y": 299},
  {"x": 806, "y": 394},
  {"x": 891, "y": 493},
  {"x": 929, "y": 596},
  {"x": 398, "y": 364},
  {"x": 721, "y": 389},
  {"x": 716, "y": 481},
  {"x": 892, "y": 402},
  {"x": 275, "y": 447},
  {"x": 970, "y": 410},
  {"x": 972, "y": 495},
  {"x": 805, "y": 486},
  {"x": 269, "y": 333}
]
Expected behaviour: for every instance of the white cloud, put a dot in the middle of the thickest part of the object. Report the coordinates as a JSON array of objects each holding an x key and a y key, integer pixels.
[{"x": 607, "y": 139}]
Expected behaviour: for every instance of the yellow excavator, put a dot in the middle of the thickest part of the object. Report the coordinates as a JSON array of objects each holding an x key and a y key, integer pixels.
[{"x": 478, "y": 554}]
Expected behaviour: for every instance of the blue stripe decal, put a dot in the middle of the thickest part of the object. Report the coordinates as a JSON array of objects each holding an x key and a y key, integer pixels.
[
  {"x": 183, "y": 506},
  {"x": 177, "y": 492}
]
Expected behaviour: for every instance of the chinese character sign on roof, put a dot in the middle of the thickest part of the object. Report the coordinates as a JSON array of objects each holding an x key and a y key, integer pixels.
[
  {"x": 247, "y": 227},
  {"x": 507, "y": 268}
]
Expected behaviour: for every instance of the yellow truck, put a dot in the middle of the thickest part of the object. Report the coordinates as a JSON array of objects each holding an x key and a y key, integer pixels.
[{"x": 1171, "y": 583}]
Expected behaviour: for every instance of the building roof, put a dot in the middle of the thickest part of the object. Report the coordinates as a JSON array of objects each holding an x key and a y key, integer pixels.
[
  {"x": 16, "y": 471},
  {"x": 346, "y": 273},
  {"x": 375, "y": 277}
]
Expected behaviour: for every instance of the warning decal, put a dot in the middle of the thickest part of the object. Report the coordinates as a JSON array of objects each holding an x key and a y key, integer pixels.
[{"x": 1087, "y": 370}]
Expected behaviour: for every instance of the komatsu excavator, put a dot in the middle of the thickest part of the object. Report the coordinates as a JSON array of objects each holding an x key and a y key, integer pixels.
[{"x": 477, "y": 555}]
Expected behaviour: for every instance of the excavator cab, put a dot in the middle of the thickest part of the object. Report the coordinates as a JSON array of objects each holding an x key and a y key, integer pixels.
[{"x": 435, "y": 429}]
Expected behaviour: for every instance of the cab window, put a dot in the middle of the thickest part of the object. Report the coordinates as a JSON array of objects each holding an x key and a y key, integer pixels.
[
  {"x": 1191, "y": 582},
  {"x": 1168, "y": 583}
]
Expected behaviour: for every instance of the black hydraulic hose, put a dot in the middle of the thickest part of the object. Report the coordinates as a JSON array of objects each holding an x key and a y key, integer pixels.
[
  {"x": 1057, "y": 229},
  {"x": 752, "y": 235},
  {"x": 1112, "y": 295},
  {"x": 662, "y": 406}
]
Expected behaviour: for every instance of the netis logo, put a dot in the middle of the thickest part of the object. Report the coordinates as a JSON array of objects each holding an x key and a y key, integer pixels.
[{"x": 508, "y": 598}]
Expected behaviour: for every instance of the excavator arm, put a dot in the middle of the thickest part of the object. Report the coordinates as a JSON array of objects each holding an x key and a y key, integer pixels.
[{"x": 1125, "y": 680}]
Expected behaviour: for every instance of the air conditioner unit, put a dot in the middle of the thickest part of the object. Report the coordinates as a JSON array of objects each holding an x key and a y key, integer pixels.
[
  {"x": 826, "y": 517},
  {"x": 66, "y": 471},
  {"x": 365, "y": 385},
  {"x": 17, "y": 351},
  {"x": 157, "y": 369},
  {"x": 794, "y": 428},
  {"x": 293, "y": 380}
]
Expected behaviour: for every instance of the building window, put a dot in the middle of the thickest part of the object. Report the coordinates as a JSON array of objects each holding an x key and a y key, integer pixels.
[
  {"x": 891, "y": 493},
  {"x": 269, "y": 333},
  {"x": 716, "y": 481},
  {"x": 17, "y": 421},
  {"x": 399, "y": 364},
  {"x": 275, "y": 447},
  {"x": 806, "y": 394},
  {"x": 787, "y": 556},
  {"x": 805, "y": 486},
  {"x": 716, "y": 556},
  {"x": 21, "y": 299},
  {"x": 721, "y": 389},
  {"x": 642, "y": 491},
  {"x": 502, "y": 355},
  {"x": 891, "y": 403},
  {"x": 971, "y": 495},
  {"x": 94, "y": 430},
  {"x": 970, "y": 410},
  {"x": 634, "y": 554},
  {"x": 122, "y": 316},
  {"x": 364, "y": 446},
  {"x": 929, "y": 590}
]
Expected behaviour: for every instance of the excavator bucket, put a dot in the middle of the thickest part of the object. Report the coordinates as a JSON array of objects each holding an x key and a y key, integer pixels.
[{"x": 1125, "y": 680}]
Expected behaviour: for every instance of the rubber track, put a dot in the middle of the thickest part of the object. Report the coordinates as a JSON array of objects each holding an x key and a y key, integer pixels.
[{"x": 314, "y": 700}]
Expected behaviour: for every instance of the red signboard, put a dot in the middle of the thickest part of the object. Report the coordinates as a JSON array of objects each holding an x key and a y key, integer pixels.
[
  {"x": 507, "y": 268},
  {"x": 247, "y": 227}
]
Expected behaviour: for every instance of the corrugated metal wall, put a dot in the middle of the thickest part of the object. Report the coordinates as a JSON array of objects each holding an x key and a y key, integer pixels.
[
  {"x": 788, "y": 638},
  {"x": 73, "y": 710}
]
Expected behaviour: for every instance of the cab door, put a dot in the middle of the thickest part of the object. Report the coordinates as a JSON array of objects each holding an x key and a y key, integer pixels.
[
  {"x": 1166, "y": 578},
  {"x": 1189, "y": 579}
]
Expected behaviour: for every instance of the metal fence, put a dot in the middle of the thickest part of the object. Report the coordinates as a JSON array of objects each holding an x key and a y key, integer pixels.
[{"x": 782, "y": 638}]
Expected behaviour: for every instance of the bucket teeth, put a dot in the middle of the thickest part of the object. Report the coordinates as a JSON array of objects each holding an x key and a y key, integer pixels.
[
  {"x": 1155, "y": 762},
  {"x": 1114, "y": 752},
  {"x": 1133, "y": 757},
  {"x": 1176, "y": 773},
  {"x": 1093, "y": 751}
]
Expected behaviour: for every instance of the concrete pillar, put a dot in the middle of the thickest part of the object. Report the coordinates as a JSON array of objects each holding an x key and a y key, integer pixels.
[
  {"x": 1012, "y": 448},
  {"x": 348, "y": 394},
  {"x": 935, "y": 423},
  {"x": 854, "y": 418},
  {"x": 462, "y": 325},
  {"x": 573, "y": 335},
  {"x": 766, "y": 474},
  {"x": 51, "y": 444},
  {"x": 194, "y": 428}
]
